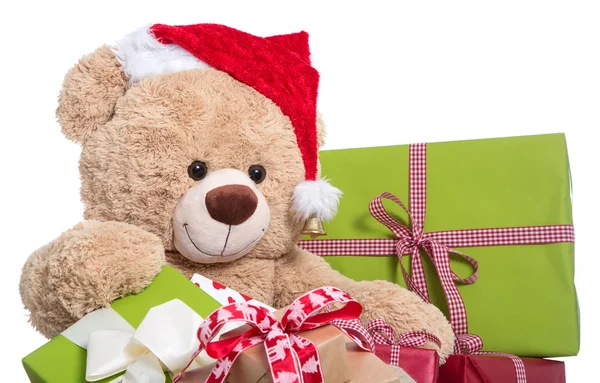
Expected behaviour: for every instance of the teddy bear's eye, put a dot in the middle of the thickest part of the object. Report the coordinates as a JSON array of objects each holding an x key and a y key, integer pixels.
[
  {"x": 257, "y": 173},
  {"x": 197, "y": 170}
]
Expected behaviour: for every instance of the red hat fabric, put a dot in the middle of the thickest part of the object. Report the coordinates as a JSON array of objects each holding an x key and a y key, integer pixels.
[{"x": 281, "y": 74}]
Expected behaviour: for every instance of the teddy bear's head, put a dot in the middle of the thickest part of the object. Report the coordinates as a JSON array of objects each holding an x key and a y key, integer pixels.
[{"x": 203, "y": 135}]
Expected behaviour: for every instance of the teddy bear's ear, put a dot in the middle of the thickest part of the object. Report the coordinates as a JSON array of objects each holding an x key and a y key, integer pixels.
[{"x": 89, "y": 94}]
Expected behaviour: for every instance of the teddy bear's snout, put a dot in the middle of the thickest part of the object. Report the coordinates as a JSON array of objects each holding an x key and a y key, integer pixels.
[
  {"x": 231, "y": 204},
  {"x": 221, "y": 218}
]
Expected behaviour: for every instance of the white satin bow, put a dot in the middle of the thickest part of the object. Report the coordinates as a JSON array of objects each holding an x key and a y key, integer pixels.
[{"x": 164, "y": 341}]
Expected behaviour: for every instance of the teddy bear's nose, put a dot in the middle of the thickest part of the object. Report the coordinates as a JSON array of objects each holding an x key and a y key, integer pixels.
[{"x": 231, "y": 204}]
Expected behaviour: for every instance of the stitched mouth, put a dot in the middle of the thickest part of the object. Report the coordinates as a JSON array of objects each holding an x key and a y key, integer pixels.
[{"x": 185, "y": 227}]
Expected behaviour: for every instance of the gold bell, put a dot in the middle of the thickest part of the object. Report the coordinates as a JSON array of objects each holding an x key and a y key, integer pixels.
[{"x": 313, "y": 227}]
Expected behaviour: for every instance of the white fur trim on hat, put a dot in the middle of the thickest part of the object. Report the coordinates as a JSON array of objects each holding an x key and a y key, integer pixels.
[
  {"x": 315, "y": 199},
  {"x": 143, "y": 56}
]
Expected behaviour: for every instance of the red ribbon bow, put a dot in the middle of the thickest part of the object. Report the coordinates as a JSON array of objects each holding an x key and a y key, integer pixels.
[
  {"x": 382, "y": 333},
  {"x": 283, "y": 345}
]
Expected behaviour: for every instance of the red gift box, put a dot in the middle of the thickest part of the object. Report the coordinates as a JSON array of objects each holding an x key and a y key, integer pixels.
[
  {"x": 499, "y": 369},
  {"x": 420, "y": 363},
  {"x": 404, "y": 351}
]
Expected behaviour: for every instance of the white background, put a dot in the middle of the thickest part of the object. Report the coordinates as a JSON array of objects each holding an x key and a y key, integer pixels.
[{"x": 408, "y": 72}]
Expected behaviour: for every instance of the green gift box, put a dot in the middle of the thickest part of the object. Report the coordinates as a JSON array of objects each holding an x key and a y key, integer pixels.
[
  {"x": 524, "y": 301},
  {"x": 62, "y": 361}
]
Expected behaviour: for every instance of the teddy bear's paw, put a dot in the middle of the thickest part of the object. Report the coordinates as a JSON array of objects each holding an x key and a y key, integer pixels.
[{"x": 87, "y": 267}]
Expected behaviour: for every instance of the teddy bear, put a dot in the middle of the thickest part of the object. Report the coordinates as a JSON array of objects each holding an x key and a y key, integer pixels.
[{"x": 199, "y": 149}]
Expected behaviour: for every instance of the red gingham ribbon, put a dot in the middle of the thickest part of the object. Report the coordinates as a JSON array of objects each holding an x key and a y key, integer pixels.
[
  {"x": 292, "y": 358},
  {"x": 355, "y": 330},
  {"x": 379, "y": 332},
  {"x": 437, "y": 246},
  {"x": 382, "y": 333}
]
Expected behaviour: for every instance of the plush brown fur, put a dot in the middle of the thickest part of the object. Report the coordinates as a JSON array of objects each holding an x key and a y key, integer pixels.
[
  {"x": 137, "y": 144},
  {"x": 87, "y": 267}
]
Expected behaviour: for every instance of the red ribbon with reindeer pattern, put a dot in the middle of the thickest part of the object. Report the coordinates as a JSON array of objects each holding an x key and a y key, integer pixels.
[
  {"x": 437, "y": 246},
  {"x": 292, "y": 358}
]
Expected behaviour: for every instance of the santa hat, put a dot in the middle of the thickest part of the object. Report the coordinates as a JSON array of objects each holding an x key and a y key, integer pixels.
[{"x": 278, "y": 67}]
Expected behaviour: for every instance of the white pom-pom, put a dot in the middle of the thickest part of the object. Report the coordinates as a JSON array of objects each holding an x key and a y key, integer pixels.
[
  {"x": 315, "y": 199},
  {"x": 142, "y": 56}
]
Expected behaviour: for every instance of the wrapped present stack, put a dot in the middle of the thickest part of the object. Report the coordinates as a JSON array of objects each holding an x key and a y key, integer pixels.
[
  {"x": 480, "y": 228},
  {"x": 159, "y": 335}
]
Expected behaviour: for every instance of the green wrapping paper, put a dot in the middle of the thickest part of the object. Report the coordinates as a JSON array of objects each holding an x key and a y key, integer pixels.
[
  {"x": 524, "y": 301},
  {"x": 60, "y": 361}
]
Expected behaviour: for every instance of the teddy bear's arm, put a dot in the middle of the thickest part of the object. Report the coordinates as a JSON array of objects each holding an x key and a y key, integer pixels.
[
  {"x": 87, "y": 267},
  {"x": 301, "y": 271}
]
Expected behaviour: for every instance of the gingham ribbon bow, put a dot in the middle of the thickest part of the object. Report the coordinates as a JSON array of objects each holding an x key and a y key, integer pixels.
[
  {"x": 410, "y": 242},
  {"x": 283, "y": 345},
  {"x": 382, "y": 333}
]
